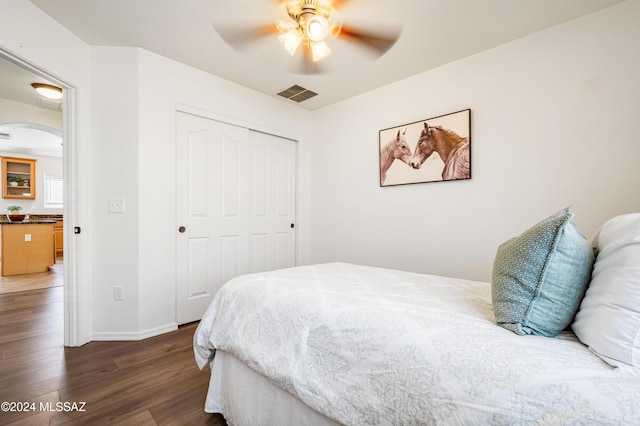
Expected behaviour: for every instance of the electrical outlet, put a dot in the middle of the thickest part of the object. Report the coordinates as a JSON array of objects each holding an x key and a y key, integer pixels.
[
  {"x": 118, "y": 292},
  {"x": 116, "y": 205},
  {"x": 27, "y": 237}
]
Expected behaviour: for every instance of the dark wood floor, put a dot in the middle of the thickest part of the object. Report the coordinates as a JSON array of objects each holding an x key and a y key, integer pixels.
[{"x": 149, "y": 382}]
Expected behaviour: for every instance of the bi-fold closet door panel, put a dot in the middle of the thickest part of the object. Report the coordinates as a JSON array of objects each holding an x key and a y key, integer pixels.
[
  {"x": 235, "y": 207},
  {"x": 272, "y": 204}
]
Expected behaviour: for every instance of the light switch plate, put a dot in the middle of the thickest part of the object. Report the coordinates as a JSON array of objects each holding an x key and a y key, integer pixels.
[
  {"x": 118, "y": 292},
  {"x": 116, "y": 205}
]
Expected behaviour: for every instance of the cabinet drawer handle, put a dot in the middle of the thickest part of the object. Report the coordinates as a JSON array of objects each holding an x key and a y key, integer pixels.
[{"x": 182, "y": 229}]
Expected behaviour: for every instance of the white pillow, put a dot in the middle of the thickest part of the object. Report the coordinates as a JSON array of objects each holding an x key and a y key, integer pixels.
[{"x": 608, "y": 320}]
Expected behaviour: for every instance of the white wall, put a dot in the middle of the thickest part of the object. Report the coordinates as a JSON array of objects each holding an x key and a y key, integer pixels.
[
  {"x": 134, "y": 154},
  {"x": 17, "y": 112},
  {"x": 553, "y": 124},
  {"x": 115, "y": 242}
]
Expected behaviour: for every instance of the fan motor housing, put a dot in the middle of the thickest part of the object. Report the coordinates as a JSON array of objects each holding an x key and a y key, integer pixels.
[{"x": 296, "y": 9}]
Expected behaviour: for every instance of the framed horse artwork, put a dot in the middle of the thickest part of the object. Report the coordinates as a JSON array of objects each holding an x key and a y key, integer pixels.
[{"x": 433, "y": 150}]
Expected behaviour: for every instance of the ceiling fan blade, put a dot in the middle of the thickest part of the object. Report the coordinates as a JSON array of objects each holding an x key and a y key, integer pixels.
[
  {"x": 306, "y": 65},
  {"x": 240, "y": 36},
  {"x": 339, "y": 3},
  {"x": 378, "y": 42}
]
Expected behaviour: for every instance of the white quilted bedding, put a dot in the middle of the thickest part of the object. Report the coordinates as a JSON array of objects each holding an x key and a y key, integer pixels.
[{"x": 366, "y": 345}]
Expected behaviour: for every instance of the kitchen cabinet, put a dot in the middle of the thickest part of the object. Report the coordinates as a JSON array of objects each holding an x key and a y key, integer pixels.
[
  {"x": 27, "y": 248},
  {"x": 59, "y": 239},
  {"x": 18, "y": 178}
]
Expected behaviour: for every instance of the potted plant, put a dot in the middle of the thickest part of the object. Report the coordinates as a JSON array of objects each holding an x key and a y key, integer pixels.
[
  {"x": 14, "y": 209},
  {"x": 13, "y": 180},
  {"x": 15, "y": 215}
]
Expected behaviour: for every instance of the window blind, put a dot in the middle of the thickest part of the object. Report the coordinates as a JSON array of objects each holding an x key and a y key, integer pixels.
[{"x": 53, "y": 190}]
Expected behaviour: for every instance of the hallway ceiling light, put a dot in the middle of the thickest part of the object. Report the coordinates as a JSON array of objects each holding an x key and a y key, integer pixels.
[{"x": 47, "y": 90}]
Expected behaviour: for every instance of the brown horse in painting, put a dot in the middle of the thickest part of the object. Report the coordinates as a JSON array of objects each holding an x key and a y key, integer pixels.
[
  {"x": 398, "y": 148},
  {"x": 452, "y": 148}
]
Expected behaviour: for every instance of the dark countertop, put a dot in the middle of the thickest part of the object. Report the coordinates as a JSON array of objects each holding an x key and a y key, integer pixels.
[
  {"x": 33, "y": 219},
  {"x": 28, "y": 222}
]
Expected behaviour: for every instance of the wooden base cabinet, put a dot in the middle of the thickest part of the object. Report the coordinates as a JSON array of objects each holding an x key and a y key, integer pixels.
[
  {"x": 27, "y": 248},
  {"x": 59, "y": 237}
]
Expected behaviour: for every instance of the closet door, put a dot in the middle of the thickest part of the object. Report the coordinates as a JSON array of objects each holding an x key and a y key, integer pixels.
[
  {"x": 212, "y": 209},
  {"x": 272, "y": 205},
  {"x": 232, "y": 195}
]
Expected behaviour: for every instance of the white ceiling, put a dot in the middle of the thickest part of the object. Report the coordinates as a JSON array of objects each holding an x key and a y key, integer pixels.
[
  {"x": 30, "y": 139},
  {"x": 27, "y": 138},
  {"x": 15, "y": 83},
  {"x": 434, "y": 32}
]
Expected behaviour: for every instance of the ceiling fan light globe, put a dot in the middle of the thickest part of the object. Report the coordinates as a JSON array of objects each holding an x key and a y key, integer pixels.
[
  {"x": 317, "y": 28},
  {"x": 290, "y": 41},
  {"x": 319, "y": 50}
]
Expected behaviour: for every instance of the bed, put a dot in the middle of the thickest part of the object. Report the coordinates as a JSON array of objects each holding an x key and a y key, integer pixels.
[{"x": 340, "y": 343}]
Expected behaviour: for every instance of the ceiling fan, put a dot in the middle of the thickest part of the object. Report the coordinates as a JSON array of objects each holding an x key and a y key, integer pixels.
[{"x": 309, "y": 25}]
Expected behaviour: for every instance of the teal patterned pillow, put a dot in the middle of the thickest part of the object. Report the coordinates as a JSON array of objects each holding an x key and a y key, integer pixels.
[{"x": 540, "y": 277}]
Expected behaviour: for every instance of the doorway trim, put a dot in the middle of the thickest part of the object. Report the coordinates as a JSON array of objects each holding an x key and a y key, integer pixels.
[{"x": 76, "y": 300}]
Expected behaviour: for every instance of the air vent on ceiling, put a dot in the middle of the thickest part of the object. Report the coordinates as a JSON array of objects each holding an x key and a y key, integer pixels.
[
  {"x": 297, "y": 93},
  {"x": 6, "y": 136}
]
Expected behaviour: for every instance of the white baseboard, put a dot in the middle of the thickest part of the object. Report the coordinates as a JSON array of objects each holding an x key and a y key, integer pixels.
[{"x": 133, "y": 335}]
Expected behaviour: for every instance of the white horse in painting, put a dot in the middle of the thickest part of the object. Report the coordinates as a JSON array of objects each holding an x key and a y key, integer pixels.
[
  {"x": 452, "y": 148},
  {"x": 398, "y": 148}
]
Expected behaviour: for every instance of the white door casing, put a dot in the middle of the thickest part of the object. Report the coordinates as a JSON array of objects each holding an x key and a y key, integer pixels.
[{"x": 235, "y": 194}]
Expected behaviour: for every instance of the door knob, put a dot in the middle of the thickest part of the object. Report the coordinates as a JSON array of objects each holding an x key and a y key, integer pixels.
[{"x": 182, "y": 229}]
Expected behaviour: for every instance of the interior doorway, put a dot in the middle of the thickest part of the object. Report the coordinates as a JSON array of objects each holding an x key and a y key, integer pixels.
[
  {"x": 74, "y": 332},
  {"x": 43, "y": 145}
]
